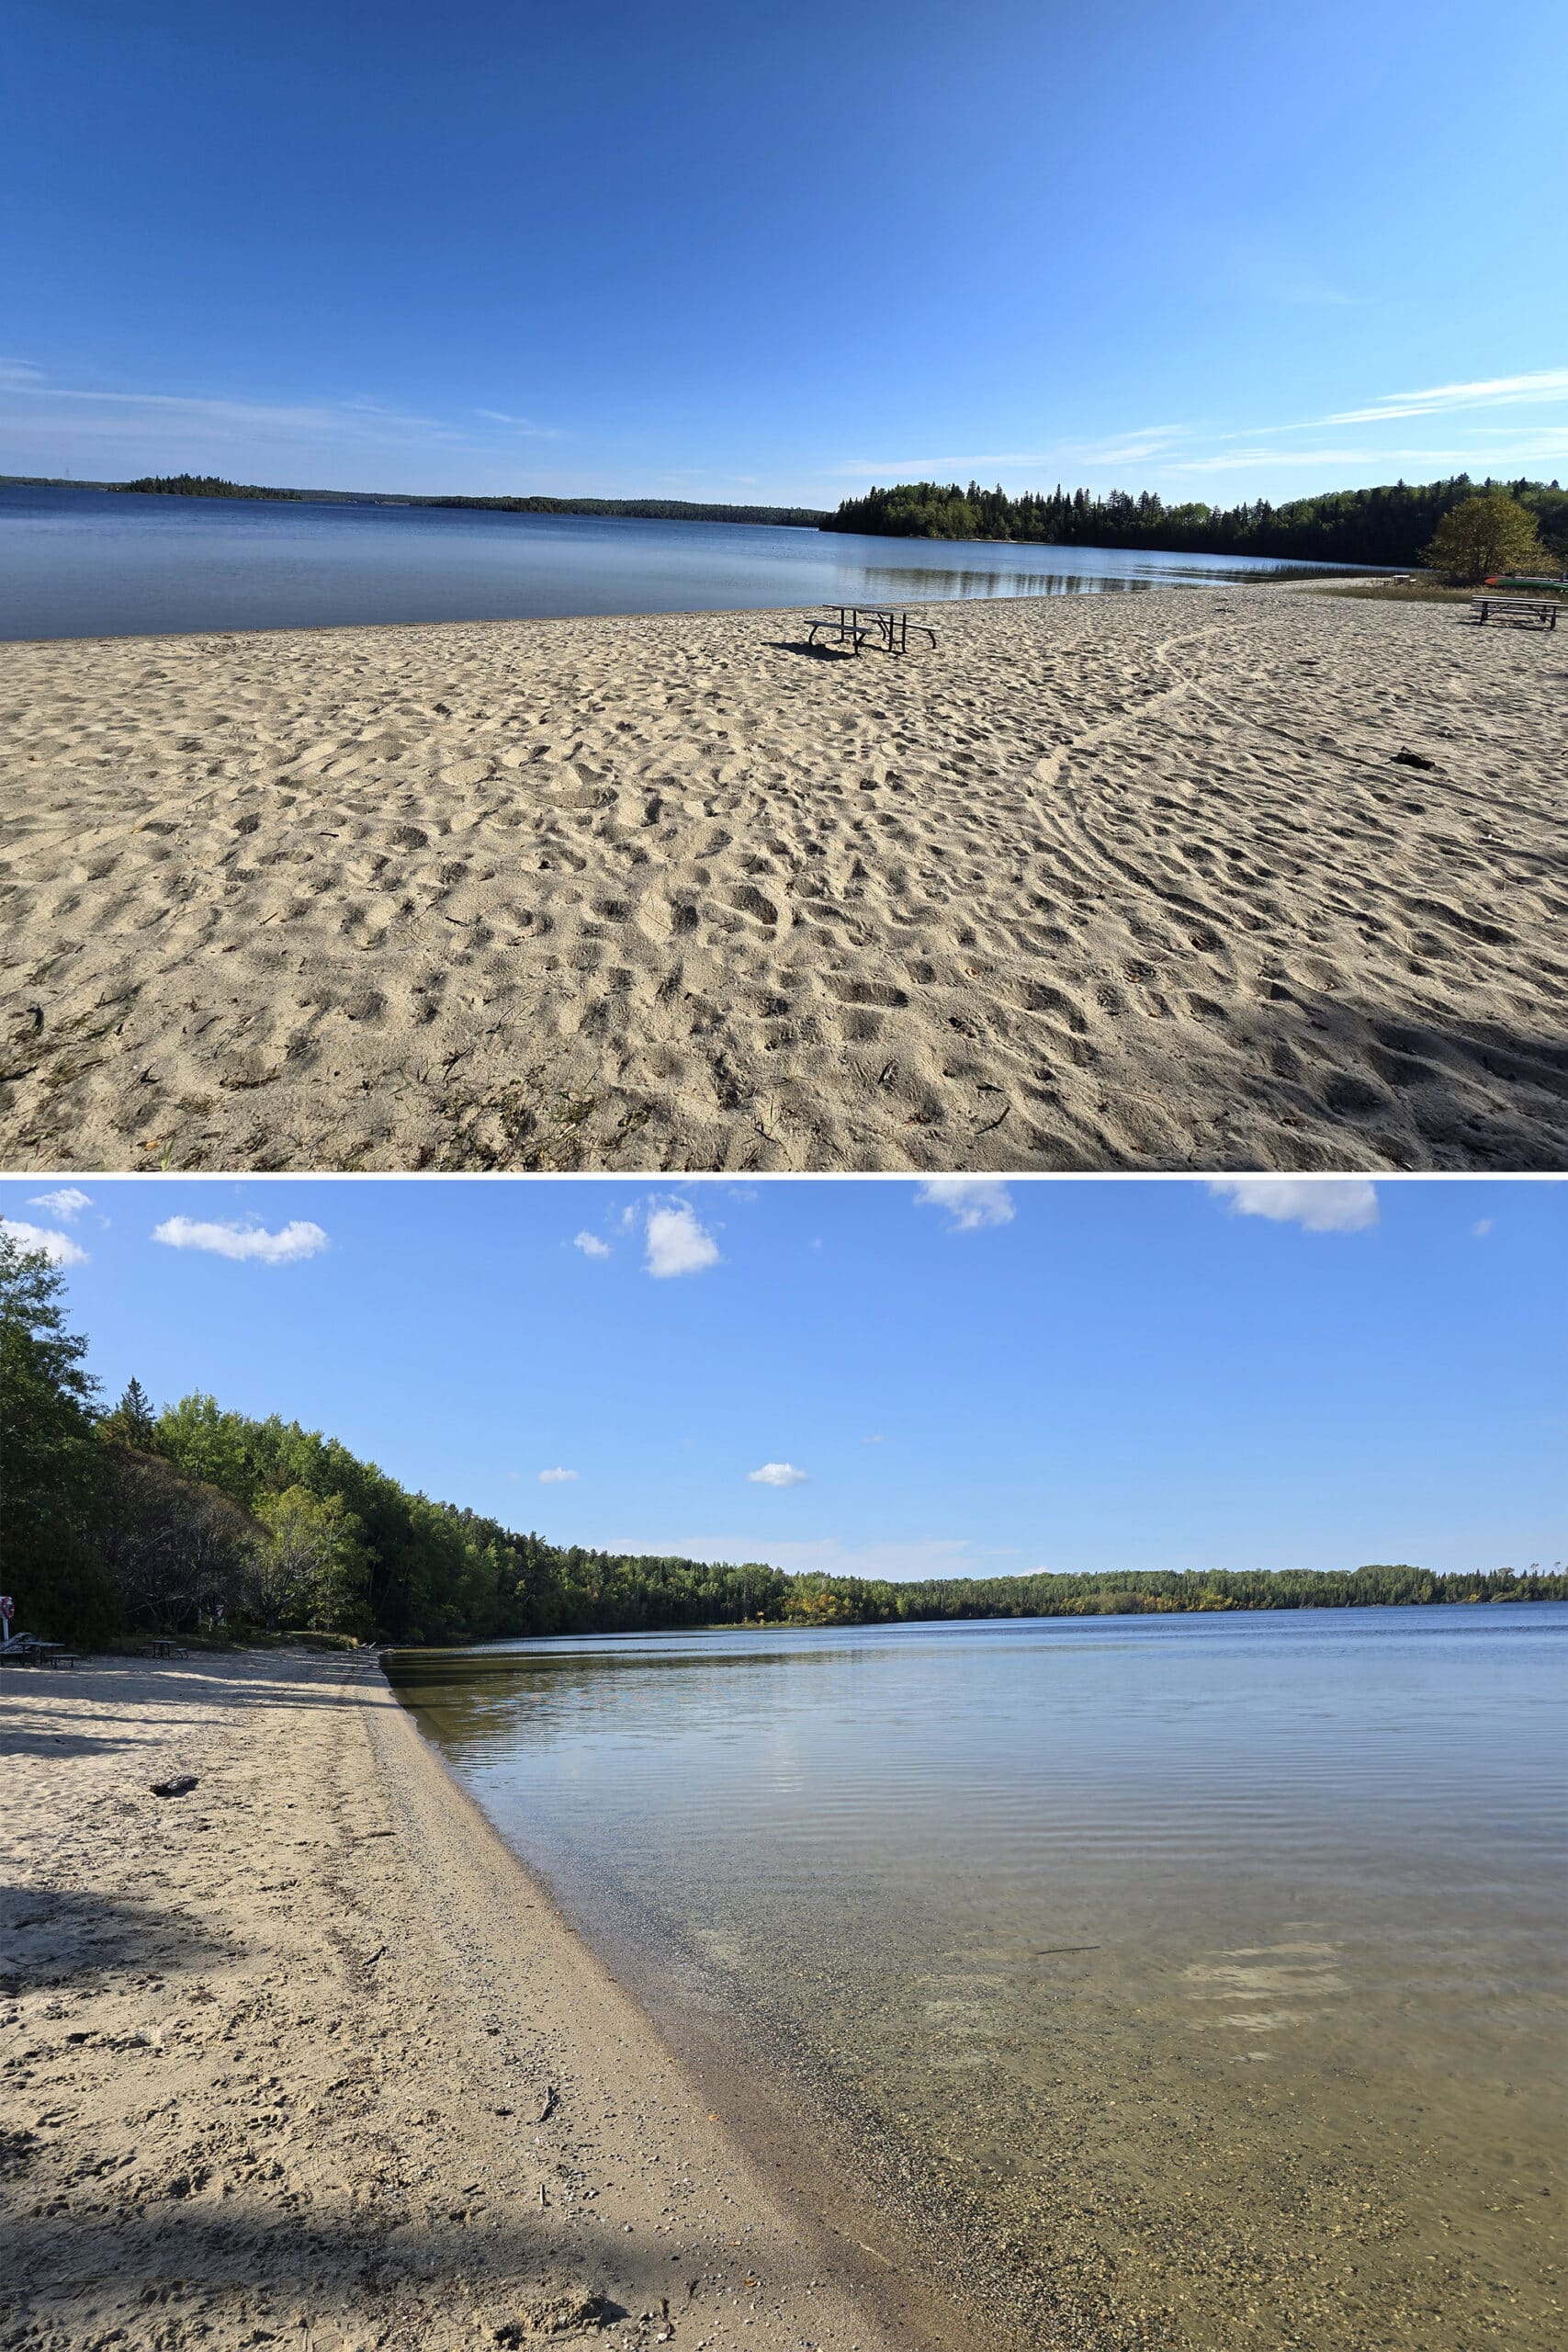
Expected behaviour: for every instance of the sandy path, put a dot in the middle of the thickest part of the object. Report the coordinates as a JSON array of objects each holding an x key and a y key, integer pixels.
[
  {"x": 304, "y": 2058},
  {"x": 1106, "y": 881}
]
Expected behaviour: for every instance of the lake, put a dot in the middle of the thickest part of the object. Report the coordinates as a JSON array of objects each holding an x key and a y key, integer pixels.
[
  {"x": 1174, "y": 1981},
  {"x": 96, "y": 563}
]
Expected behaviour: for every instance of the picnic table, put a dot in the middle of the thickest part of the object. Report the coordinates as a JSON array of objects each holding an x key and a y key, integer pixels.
[
  {"x": 889, "y": 625},
  {"x": 163, "y": 1647},
  {"x": 1543, "y": 609}
]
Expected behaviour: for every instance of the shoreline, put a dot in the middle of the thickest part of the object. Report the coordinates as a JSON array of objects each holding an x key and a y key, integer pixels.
[
  {"x": 308, "y": 2054},
  {"x": 1262, "y": 880}
]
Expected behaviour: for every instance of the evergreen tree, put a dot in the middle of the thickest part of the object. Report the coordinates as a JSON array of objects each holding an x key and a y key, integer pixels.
[
  {"x": 133, "y": 1421},
  {"x": 50, "y": 1463}
]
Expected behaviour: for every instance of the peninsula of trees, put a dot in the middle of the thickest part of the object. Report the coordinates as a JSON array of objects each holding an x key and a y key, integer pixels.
[
  {"x": 1391, "y": 527},
  {"x": 130, "y": 1521}
]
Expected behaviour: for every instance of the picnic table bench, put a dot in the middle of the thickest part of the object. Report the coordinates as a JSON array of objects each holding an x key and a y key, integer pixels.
[
  {"x": 1543, "y": 609},
  {"x": 162, "y": 1645},
  {"x": 888, "y": 624}
]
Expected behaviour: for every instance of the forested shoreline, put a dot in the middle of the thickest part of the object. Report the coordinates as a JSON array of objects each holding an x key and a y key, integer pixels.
[
  {"x": 122, "y": 1523},
  {"x": 1387, "y": 526}
]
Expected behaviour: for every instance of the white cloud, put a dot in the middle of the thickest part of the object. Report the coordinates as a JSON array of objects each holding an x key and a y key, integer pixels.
[
  {"x": 1493, "y": 391},
  {"x": 970, "y": 1201},
  {"x": 297, "y": 1240},
  {"x": 1483, "y": 1228},
  {"x": 67, "y": 1202},
  {"x": 1318, "y": 1204},
  {"x": 37, "y": 1239},
  {"x": 557, "y": 1477},
  {"x": 777, "y": 1473},
  {"x": 677, "y": 1243},
  {"x": 591, "y": 1245},
  {"x": 872, "y": 1440}
]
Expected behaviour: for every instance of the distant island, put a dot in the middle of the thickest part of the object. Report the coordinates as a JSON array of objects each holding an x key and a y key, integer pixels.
[
  {"x": 647, "y": 510},
  {"x": 1387, "y": 527},
  {"x": 135, "y": 1521}
]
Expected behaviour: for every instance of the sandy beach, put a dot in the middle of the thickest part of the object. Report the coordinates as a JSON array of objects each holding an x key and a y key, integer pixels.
[
  {"x": 1107, "y": 881},
  {"x": 304, "y": 2056}
]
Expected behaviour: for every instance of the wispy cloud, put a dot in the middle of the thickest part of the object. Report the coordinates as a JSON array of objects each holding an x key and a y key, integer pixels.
[
  {"x": 297, "y": 1239},
  {"x": 827, "y": 1556},
  {"x": 1194, "y": 449},
  {"x": 558, "y": 1478},
  {"x": 970, "y": 1202},
  {"x": 39, "y": 1241},
  {"x": 1491, "y": 392},
  {"x": 521, "y": 425},
  {"x": 1487, "y": 450},
  {"x": 777, "y": 1473},
  {"x": 1317, "y": 1204},
  {"x": 678, "y": 1243},
  {"x": 262, "y": 416},
  {"x": 360, "y": 421},
  {"x": 591, "y": 1245},
  {"x": 1123, "y": 448},
  {"x": 68, "y": 1203},
  {"x": 1482, "y": 1228}
]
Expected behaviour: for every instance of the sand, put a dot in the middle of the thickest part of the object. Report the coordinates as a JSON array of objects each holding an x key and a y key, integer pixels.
[
  {"x": 1109, "y": 881},
  {"x": 304, "y": 2057}
]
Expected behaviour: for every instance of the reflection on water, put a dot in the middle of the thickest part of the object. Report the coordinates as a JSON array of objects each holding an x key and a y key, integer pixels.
[
  {"x": 1206, "y": 1970},
  {"x": 92, "y": 563}
]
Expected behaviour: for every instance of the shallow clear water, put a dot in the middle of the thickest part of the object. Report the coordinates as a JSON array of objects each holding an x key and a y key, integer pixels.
[
  {"x": 1205, "y": 1974},
  {"x": 95, "y": 563}
]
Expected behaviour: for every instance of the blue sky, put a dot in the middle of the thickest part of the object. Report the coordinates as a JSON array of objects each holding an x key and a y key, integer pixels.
[
  {"x": 932, "y": 1378},
  {"x": 1213, "y": 248}
]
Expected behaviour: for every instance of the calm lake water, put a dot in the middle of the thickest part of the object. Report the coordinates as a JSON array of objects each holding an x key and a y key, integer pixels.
[
  {"x": 1203, "y": 1978},
  {"x": 95, "y": 563}
]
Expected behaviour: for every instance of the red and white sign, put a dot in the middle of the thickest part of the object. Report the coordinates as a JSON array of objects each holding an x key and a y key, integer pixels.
[{"x": 7, "y": 1607}]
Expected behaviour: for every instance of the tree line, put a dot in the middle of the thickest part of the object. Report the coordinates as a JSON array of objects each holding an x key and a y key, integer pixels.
[
  {"x": 125, "y": 1521},
  {"x": 1392, "y": 526}
]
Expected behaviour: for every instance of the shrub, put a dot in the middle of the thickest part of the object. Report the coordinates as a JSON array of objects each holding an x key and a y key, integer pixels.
[{"x": 1484, "y": 535}]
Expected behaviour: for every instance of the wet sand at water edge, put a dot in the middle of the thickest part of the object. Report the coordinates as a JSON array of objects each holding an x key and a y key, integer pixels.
[
  {"x": 304, "y": 2057},
  {"x": 1102, "y": 882}
]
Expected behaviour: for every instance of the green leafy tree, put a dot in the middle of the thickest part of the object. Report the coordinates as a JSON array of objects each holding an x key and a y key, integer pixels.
[
  {"x": 1484, "y": 536},
  {"x": 207, "y": 1443},
  {"x": 51, "y": 1462},
  {"x": 310, "y": 1569}
]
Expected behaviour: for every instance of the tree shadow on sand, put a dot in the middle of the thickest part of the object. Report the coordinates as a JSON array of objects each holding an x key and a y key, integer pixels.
[
  {"x": 53, "y": 1937},
  {"x": 1360, "y": 1086},
  {"x": 486, "y": 2273}
]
